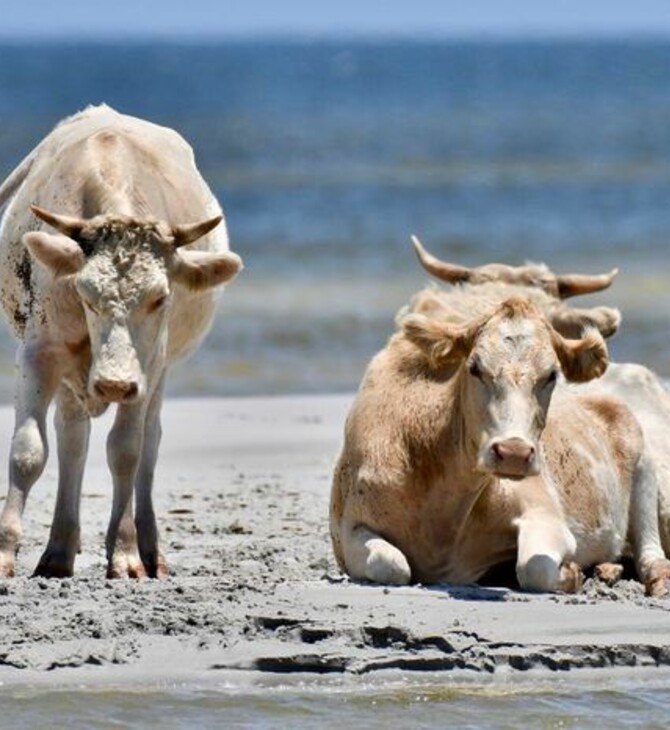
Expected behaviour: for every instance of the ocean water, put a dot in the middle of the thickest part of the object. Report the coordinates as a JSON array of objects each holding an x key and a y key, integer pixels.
[
  {"x": 328, "y": 155},
  {"x": 411, "y": 702}
]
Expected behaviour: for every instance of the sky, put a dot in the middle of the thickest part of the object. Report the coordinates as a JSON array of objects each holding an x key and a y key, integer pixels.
[{"x": 76, "y": 19}]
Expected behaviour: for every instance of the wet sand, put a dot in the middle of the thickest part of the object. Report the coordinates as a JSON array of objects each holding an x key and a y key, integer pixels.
[{"x": 242, "y": 498}]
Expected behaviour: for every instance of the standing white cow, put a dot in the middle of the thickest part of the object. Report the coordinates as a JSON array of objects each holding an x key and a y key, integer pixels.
[{"x": 103, "y": 298}]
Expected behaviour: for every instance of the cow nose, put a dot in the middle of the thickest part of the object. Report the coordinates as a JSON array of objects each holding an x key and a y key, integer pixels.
[
  {"x": 513, "y": 457},
  {"x": 117, "y": 391},
  {"x": 513, "y": 448}
]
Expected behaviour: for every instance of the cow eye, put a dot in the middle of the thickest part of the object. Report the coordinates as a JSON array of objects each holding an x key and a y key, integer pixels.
[
  {"x": 551, "y": 378},
  {"x": 157, "y": 303},
  {"x": 475, "y": 370}
]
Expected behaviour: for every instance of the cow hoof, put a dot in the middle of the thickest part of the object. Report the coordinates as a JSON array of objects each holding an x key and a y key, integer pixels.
[
  {"x": 162, "y": 570},
  {"x": 609, "y": 573},
  {"x": 541, "y": 574},
  {"x": 157, "y": 567},
  {"x": 6, "y": 565},
  {"x": 386, "y": 564},
  {"x": 126, "y": 567},
  {"x": 54, "y": 565},
  {"x": 658, "y": 588},
  {"x": 657, "y": 583},
  {"x": 571, "y": 578}
]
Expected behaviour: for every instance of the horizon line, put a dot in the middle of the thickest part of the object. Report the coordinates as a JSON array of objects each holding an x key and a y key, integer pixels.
[{"x": 188, "y": 37}]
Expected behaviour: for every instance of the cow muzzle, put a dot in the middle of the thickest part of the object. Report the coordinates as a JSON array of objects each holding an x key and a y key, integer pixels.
[
  {"x": 512, "y": 458},
  {"x": 116, "y": 375}
]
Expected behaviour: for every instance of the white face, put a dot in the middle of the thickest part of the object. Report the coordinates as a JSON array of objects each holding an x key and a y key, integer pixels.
[
  {"x": 126, "y": 307},
  {"x": 122, "y": 269},
  {"x": 511, "y": 373},
  {"x": 508, "y": 364}
]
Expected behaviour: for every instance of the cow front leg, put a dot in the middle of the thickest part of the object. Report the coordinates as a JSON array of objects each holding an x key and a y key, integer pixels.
[
  {"x": 368, "y": 556},
  {"x": 38, "y": 374},
  {"x": 545, "y": 547},
  {"x": 124, "y": 446},
  {"x": 145, "y": 517},
  {"x": 650, "y": 561},
  {"x": 73, "y": 427}
]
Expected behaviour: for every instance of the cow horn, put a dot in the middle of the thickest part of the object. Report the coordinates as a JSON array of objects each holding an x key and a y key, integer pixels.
[
  {"x": 572, "y": 285},
  {"x": 452, "y": 273},
  {"x": 190, "y": 232},
  {"x": 65, "y": 224}
]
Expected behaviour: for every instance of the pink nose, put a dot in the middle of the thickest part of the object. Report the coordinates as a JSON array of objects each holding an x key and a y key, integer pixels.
[
  {"x": 116, "y": 391},
  {"x": 513, "y": 457}
]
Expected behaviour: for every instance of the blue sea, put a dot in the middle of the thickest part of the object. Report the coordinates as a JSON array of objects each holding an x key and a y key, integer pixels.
[{"x": 326, "y": 156}]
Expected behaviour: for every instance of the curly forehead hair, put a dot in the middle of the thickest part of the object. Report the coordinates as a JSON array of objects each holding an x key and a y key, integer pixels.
[
  {"x": 517, "y": 306},
  {"x": 130, "y": 233}
]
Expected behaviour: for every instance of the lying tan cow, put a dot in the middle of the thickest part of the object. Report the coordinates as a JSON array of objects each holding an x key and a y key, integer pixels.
[
  {"x": 454, "y": 462},
  {"x": 101, "y": 284},
  {"x": 635, "y": 385}
]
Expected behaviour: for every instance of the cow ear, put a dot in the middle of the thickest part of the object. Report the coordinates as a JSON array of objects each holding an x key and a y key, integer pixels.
[
  {"x": 442, "y": 343},
  {"x": 571, "y": 322},
  {"x": 199, "y": 270},
  {"x": 582, "y": 360},
  {"x": 60, "y": 254}
]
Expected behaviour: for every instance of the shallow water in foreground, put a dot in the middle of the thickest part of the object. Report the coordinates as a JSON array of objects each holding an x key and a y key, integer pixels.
[{"x": 416, "y": 702}]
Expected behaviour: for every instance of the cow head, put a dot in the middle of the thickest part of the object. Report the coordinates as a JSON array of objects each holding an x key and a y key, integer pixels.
[
  {"x": 123, "y": 272},
  {"x": 509, "y": 363}
]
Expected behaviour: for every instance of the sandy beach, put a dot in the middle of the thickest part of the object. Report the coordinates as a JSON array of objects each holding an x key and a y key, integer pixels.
[{"x": 242, "y": 497}]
